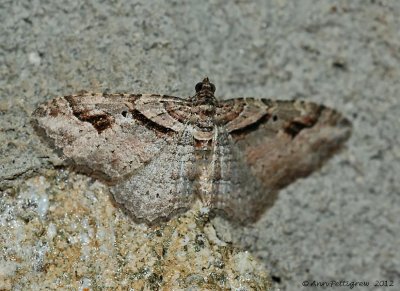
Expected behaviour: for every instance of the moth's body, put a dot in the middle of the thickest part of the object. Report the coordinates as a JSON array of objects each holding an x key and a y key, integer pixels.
[{"x": 160, "y": 153}]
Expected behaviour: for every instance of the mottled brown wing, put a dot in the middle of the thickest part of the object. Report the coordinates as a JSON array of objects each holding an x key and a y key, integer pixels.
[
  {"x": 279, "y": 142},
  {"x": 232, "y": 189},
  {"x": 164, "y": 186},
  {"x": 171, "y": 113},
  {"x": 106, "y": 135}
]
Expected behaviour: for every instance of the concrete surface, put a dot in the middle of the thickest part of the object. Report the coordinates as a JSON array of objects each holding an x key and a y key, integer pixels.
[
  {"x": 62, "y": 232},
  {"x": 341, "y": 223}
]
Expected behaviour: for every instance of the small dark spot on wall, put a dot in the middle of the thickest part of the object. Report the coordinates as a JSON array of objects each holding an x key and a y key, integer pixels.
[
  {"x": 276, "y": 279},
  {"x": 340, "y": 64}
]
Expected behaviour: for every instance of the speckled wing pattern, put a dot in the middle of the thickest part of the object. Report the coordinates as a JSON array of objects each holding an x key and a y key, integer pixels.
[{"x": 160, "y": 153}]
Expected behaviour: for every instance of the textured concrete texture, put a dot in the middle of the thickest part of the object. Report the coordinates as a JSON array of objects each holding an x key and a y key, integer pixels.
[
  {"x": 341, "y": 223},
  {"x": 61, "y": 232}
]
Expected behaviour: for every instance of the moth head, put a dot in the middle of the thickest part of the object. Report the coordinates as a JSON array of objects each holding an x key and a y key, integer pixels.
[{"x": 205, "y": 85}]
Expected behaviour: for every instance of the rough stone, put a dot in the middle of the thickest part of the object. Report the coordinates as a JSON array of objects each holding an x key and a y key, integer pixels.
[{"x": 63, "y": 232}]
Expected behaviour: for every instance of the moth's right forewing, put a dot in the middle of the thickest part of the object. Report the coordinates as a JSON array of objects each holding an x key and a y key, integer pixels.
[{"x": 295, "y": 139}]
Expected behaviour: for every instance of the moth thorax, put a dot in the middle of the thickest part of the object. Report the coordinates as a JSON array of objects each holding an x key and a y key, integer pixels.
[
  {"x": 204, "y": 97},
  {"x": 206, "y": 110},
  {"x": 203, "y": 116}
]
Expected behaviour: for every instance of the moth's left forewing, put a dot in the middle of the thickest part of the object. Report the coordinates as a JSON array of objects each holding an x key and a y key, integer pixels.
[
  {"x": 294, "y": 139},
  {"x": 99, "y": 133},
  {"x": 160, "y": 110}
]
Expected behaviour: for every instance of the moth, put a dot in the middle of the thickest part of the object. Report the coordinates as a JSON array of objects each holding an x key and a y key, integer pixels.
[{"x": 160, "y": 153}]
